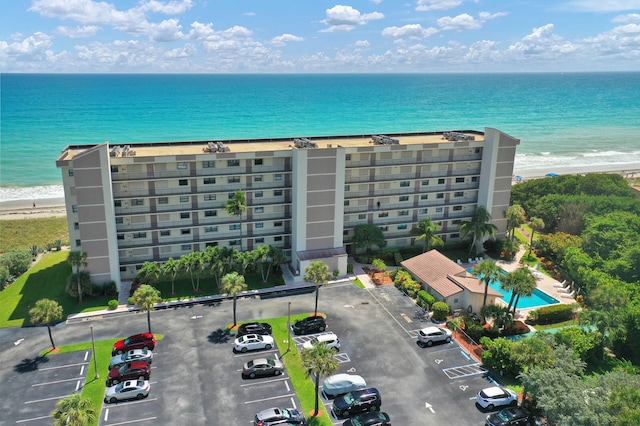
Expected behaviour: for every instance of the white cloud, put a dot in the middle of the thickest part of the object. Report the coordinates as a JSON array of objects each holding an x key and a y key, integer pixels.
[
  {"x": 485, "y": 16},
  {"x": 35, "y": 44},
  {"x": 170, "y": 8},
  {"x": 77, "y": 32},
  {"x": 281, "y": 40},
  {"x": 627, "y": 19},
  {"x": 603, "y": 5},
  {"x": 542, "y": 43},
  {"x": 411, "y": 31},
  {"x": 362, "y": 43},
  {"x": 346, "y": 18},
  {"x": 426, "y": 5},
  {"x": 165, "y": 31},
  {"x": 459, "y": 23},
  {"x": 86, "y": 12}
]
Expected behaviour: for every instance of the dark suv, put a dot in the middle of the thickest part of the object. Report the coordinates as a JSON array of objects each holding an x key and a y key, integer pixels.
[
  {"x": 308, "y": 325},
  {"x": 254, "y": 328},
  {"x": 357, "y": 401}
]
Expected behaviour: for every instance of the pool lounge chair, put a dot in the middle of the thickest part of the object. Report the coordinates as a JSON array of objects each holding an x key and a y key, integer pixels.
[
  {"x": 560, "y": 285},
  {"x": 569, "y": 295},
  {"x": 470, "y": 261},
  {"x": 459, "y": 262},
  {"x": 565, "y": 289}
]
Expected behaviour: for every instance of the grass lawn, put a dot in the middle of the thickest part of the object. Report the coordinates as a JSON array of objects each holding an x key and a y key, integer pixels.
[{"x": 24, "y": 233}]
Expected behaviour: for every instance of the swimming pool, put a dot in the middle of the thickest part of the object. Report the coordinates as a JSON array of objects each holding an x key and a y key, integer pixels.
[{"x": 537, "y": 299}]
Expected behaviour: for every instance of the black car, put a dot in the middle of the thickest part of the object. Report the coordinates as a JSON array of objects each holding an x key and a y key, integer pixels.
[
  {"x": 254, "y": 328},
  {"x": 308, "y": 325},
  {"x": 279, "y": 416},
  {"x": 356, "y": 402},
  {"x": 510, "y": 416},
  {"x": 369, "y": 419}
]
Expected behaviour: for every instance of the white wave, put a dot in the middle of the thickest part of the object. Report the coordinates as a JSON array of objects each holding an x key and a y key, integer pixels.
[
  {"x": 534, "y": 164},
  {"x": 595, "y": 153},
  {"x": 14, "y": 193}
]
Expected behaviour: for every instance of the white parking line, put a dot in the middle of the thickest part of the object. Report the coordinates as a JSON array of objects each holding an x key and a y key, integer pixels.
[
  {"x": 86, "y": 355},
  {"x": 53, "y": 383},
  {"x": 131, "y": 402},
  {"x": 253, "y": 353},
  {"x": 263, "y": 382},
  {"x": 106, "y": 414},
  {"x": 133, "y": 421},
  {"x": 269, "y": 399},
  {"x": 62, "y": 366},
  {"x": 32, "y": 419},
  {"x": 46, "y": 399}
]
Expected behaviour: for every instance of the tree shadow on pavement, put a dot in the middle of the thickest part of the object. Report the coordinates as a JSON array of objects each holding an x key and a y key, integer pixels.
[
  {"x": 28, "y": 364},
  {"x": 220, "y": 336}
]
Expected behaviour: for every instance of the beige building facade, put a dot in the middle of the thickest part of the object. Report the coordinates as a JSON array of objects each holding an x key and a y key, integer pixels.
[{"x": 152, "y": 201}]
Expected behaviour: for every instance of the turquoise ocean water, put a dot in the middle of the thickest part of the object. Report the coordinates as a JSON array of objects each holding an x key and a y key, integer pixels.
[{"x": 563, "y": 120}]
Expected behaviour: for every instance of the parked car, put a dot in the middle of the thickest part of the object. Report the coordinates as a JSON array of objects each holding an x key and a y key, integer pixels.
[
  {"x": 328, "y": 339},
  {"x": 356, "y": 402},
  {"x": 339, "y": 384},
  {"x": 509, "y": 417},
  {"x": 279, "y": 416},
  {"x": 131, "y": 389},
  {"x": 140, "y": 370},
  {"x": 496, "y": 396},
  {"x": 132, "y": 355},
  {"x": 309, "y": 325},
  {"x": 251, "y": 342},
  {"x": 137, "y": 341},
  {"x": 254, "y": 328},
  {"x": 430, "y": 335},
  {"x": 262, "y": 367},
  {"x": 369, "y": 419}
]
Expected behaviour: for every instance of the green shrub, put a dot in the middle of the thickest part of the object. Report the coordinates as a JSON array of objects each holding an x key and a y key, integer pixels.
[
  {"x": 130, "y": 301},
  {"x": 112, "y": 304},
  {"x": 349, "y": 268},
  {"x": 552, "y": 314},
  {"x": 397, "y": 257},
  {"x": 425, "y": 298},
  {"x": 16, "y": 261},
  {"x": 440, "y": 311},
  {"x": 86, "y": 286},
  {"x": 474, "y": 330}
]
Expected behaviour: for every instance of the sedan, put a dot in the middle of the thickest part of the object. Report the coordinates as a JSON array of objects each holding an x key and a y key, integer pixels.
[
  {"x": 509, "y": 417},
  {"x": 137, "y": 341},
  {"x": 133, "y": 370},
  {"x": 250, "y": 342},
  {"x": 130, "y": 389},
  {"x": 279, "y": 416},
  {"x": 262, "y": 367},
  {"x": 496, "y": 396},
  {"x": 254, "y": 328},
  {"x": 133, "y": 355},
  {"x": 369, "y": 419},
  {"x": 339, "y": 384}
]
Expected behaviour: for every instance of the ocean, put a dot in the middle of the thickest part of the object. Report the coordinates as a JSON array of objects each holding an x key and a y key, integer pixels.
[{"x": 564, "y": 120}]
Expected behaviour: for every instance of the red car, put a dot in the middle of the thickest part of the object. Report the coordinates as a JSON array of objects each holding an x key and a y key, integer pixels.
[
  {"x": 136, "y": 370},
  {"x": 138, "y": 341}
]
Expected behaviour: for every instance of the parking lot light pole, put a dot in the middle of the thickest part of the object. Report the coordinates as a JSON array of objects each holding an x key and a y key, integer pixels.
[
  {"x": 289, "y": 329},
  {"x": 95, "y": 361}
]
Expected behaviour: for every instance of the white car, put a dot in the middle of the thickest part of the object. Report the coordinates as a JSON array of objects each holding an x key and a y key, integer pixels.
[
  {"x": 251, "y": 342},
  {"x": 328, "y": 339},
  {"x": 339, "y": 384},
  {"x": 130, "y": 389},
  {"x": 132, "y": 355},
  {"x": 496, "y": 396},
  {"x": 430, "y": 335}
]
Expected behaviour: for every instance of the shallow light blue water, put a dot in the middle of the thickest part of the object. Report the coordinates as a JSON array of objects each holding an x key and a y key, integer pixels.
[{"x": 537, "y": 299}]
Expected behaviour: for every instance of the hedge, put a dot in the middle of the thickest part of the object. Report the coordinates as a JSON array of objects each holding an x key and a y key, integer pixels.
[
  {"x": 425, "y": 298},
  {"x": 552, "y": 314},
  {"x": 440, "y": 311},
  {"x": 398, "y": 258}
]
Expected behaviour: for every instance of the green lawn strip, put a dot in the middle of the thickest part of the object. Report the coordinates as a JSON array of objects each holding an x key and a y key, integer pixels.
[
  {"x": 24, "y": 233},
  {"x": 358, "y": 283}
]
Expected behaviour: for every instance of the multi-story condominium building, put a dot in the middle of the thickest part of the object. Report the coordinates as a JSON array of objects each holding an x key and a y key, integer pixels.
[{"x": 152, "y": 201}]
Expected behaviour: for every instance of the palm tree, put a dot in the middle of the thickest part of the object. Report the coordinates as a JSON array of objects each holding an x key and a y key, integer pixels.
[
  {"x": 74, "y": 410},
  {"x": 426, "y": 230},
  {"x": 146, "y": 297},
  {"x": 536, "y": 224},
  {"x": 78, "y": 259},
  {"x": 516, "y": 216},
  {"x": 45, "y": 312},
  {"x": 478, "y": 227},
  {"x": 171, "y": 268},
  {"x": 233, "y": 283},
  {"x": 198, "y": 263},
  {"x": 236, "y": 206},
  {"x": 149, "y": 272},
  {"x": 524, "y": 284},
  {"x": 319, "y": 361},
  {"x": 488, "y": 271},
  {"x": 318, "y": 273}
]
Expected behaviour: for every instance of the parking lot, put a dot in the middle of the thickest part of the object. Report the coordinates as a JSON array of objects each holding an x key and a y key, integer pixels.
[{"x": 196, "y": 376}]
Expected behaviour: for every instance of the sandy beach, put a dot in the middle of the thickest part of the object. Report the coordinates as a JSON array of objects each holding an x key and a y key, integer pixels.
[{"x": 22, "y": 209}]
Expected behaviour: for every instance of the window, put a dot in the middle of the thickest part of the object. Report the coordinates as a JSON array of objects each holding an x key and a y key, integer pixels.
[
  {"x": 209, "y": 197},
  {"x": 185, "y": 247},
  {"x": 234, "y": 227},
  {"x": 346, "y": 203},
  {"x": 403, "y": 226},
  {"x": 257, "y": 178},
  {"x": 139, "y": 235},
  {"x": 277, "y": 176},
  {"x": 231, "y": 195},
  {"x": 208, "y": 164},
  {"x": 235, "y": 242},
  {"x": 345, "y": 232},
  {"x": 210, "y": 229},
  {"x": 458, "y": 194},
  {"x": 457, "y": 208},
  {"x": 384, "y": 214},
  {"x": 403, "y": 213},
  {"x": 404, "y": 184},
  {"x": 259, "y": 210},
  {"x": 425, "y": 182},
  {"x": 459, "y": 180},
  {"x": 278, "y": 238},
  {"x": 183, "y": 182},
  {"x": 70, "y": 172},
  {"x": 424, "y": 211},
  {"x": 78, "y": 243},
  {"x": 233, "y": 179},
  {"x": 185, "y": 215},
  {"x": 456, "y": 235},
  {"x": 438, "y": 209},
  {"x": 404, "y": 198},
  {"x": 166, "y": 233},
  {"x": 348, "y": 157},
  {"x": 163, "y": 200},
  {"x": 185, "y": 231},
  {"x": 257, "y": 162},
  {"x": 477, "y": 151},
  {"x": 259, "y": 240},
  {"x": 213, "y": 244},
  {"x": 121, "y": 236},
  {"x": 440, "y": 181},
  {"x": 277, "y": 193},
  {"x": 184, "y": 198},
  {"x": 474, "y": 178},
  {"x": 384, "y": 228},
  {"x": 123, "y": 269},
  {"x": 362, "y": 216},
  {"x": 440, "y": 195},
  {"x": 183, "y": 166},
  {"x": 258, "y": 194},
  {"x": 74, "y": 208},
  {"x": 277, "y": 223},
  {"x": 347, "y": 188},
  {"x": 210, "y": 213},
  {"x": 260, "y": 225},
  {"x": 209, "y": 181},
  {"x": 118, "y": 221},
  {"x": 456, "y": 222},
  {"x": 137, "y": 202},
  {"x": 233, "y": 163},
  {"x": 424, "y": 196},
  {"x": 116, "y": 203},
  {"x": 114, "y": 169}
]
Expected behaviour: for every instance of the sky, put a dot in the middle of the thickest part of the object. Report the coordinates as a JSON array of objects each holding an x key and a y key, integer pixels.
[{"x": 317, "y": 36}]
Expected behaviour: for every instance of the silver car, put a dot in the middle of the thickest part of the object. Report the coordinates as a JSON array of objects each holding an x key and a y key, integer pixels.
[
  {"x": 132, "y": 355},
  {"x": 250, "y": 342},
  {"x": 130, "y": 389},
  {"x": 430, "y": 335},
  {"x": 263, "y": 367}
]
